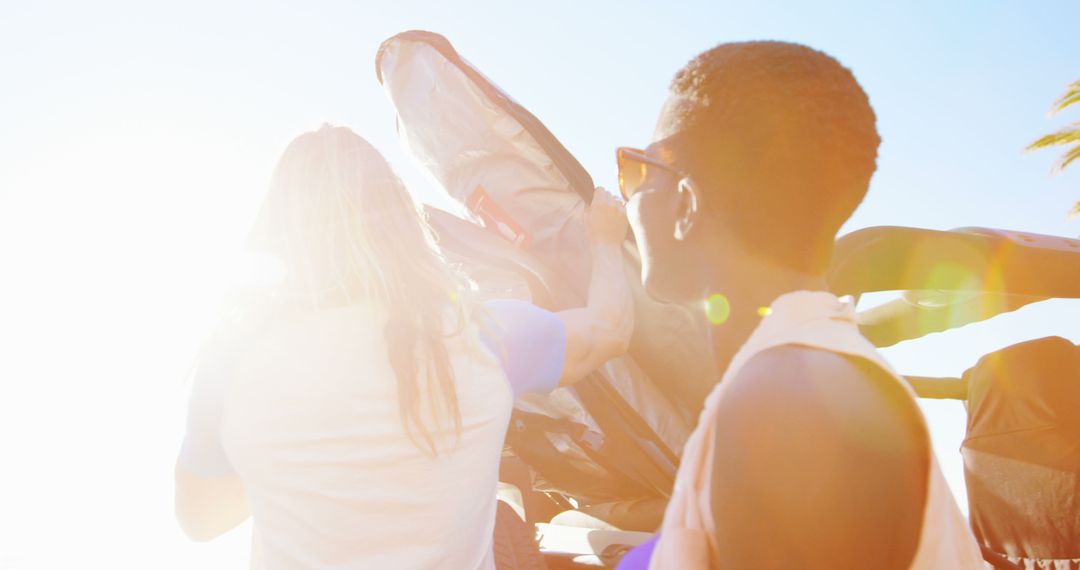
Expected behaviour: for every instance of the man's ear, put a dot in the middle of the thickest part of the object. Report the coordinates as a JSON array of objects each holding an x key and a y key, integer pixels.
[{"x": 687, "y": 208}]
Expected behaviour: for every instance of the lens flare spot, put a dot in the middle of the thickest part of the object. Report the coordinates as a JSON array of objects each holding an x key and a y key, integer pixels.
[
  {"x": 953, "y": 277},
  {"x": 764, "y": 311},
  {"x": 717, "y": 309}
]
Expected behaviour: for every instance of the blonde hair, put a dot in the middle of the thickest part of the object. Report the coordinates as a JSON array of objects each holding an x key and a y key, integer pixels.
[{"x": 348, "y": 231}]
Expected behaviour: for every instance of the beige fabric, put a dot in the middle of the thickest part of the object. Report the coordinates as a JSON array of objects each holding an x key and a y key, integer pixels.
[
  {"x": 310, "y": 423},
  {"x": 817, "y": 320},
  {"x": 451, "y": 126}
]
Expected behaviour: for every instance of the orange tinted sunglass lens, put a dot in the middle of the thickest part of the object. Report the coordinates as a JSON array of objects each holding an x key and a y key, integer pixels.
[{"x": 631, "y": 173}]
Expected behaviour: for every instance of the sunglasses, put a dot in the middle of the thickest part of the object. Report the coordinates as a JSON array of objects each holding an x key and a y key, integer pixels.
[{"x": 635, "y": 167}]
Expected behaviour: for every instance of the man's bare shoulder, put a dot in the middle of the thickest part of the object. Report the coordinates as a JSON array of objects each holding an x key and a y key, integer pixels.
[
  {"x": 820, "y": 459},
  {"x": 824, "y": 382}
]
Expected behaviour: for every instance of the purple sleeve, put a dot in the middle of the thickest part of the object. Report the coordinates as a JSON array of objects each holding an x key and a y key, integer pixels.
[
  {"x": 639, "y": 557},
  {"x": 530, "y": 342}
]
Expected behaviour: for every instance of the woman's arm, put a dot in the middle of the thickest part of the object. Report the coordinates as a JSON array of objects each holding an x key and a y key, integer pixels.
[
  {"x": 207, "y": 507},
  {"x": 601, "y": 330},
  {"x": 210, "y": 497}
]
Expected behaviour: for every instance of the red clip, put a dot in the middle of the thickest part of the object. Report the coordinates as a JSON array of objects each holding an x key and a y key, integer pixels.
[{"x": 497, "y": 219}]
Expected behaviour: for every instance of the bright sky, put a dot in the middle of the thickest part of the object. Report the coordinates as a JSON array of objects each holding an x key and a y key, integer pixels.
[{"x": 136, "y": 142}]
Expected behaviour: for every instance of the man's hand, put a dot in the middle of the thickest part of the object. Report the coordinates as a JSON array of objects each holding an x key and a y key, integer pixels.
[{"x": 606, "y": 219}]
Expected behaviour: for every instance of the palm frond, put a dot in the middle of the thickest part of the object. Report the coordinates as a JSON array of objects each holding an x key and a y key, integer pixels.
[
  {"x": 1071, "y": 155},
  {"x": 1065, "y": 136},
  {"x": 1071, "y": 96}
]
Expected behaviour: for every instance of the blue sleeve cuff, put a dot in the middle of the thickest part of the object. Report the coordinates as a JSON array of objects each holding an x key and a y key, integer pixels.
[
  {"x": 640, "y": 557},
  {"x": 530, "y": 342}
]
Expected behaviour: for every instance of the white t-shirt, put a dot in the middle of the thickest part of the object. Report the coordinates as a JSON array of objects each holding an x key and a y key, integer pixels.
[{"x": 306, "y": 414}]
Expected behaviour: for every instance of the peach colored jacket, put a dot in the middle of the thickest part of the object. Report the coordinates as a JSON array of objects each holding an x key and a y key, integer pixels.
[{"x": 817, "y": 320}]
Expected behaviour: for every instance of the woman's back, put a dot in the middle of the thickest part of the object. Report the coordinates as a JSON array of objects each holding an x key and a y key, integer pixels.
[
  {"x": 310, "y": 421},
  {"x": 328, "y": 420}
]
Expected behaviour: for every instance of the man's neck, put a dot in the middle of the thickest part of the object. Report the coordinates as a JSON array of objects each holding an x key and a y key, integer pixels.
[{"x": 748, "y": 292}]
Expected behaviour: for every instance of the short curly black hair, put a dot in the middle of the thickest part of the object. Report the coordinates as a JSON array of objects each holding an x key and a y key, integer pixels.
[{"x": 782, "y": 139}]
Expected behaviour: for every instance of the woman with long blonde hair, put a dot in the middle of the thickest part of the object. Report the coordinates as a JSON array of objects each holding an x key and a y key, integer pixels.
[{"x": 357, "y": 409}]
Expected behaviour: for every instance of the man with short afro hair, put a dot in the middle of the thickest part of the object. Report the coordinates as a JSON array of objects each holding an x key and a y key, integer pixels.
[
  {"x": 789, "y": 135},
  {"x": 810, "y": 452}
]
